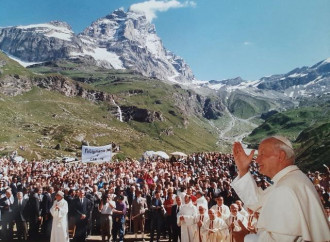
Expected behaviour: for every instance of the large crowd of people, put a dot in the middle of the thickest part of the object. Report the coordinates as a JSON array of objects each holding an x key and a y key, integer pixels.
[{"x": 183, "y": 198}]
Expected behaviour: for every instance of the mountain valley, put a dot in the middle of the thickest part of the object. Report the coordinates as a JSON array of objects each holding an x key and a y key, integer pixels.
[{"x": 116, "y": 83}]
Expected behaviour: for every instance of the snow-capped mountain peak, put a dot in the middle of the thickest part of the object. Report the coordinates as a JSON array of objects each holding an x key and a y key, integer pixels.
[
  {"x": 120, "y": 40},
  {"x": 300, "y": 82}
]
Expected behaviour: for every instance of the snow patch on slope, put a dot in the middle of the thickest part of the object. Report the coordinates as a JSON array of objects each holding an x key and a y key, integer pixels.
[
  {"x": 102, "y": 54},
  {"x": 22, "y": 63},
  {"x": 59, "y": 32}
]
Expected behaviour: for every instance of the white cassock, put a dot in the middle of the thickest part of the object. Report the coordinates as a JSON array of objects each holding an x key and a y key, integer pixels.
[
  {"x": 202, "y": 202},
  {"x": 182, "y": 195},
  {"x": 244, "y": 213},
  {"x": 234, "y": 219},
  {"x": 199, "y": 235},
  {"x": 60, "y": 222},
  {"x": 219, "y": 229},
  {"x": 291, "y": 209},
  {"x": 188, "y": 211},
  {"x": 224, "y": 210}
]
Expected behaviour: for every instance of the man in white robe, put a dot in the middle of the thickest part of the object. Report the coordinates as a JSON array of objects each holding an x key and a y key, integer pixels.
[
  {"x": 222, "y": 211},
  {"x": 201, "y": 200},
  {"x": 185, "y": 219},
  {"x": 199, "y": 221},
  {"x": 215, "y": 229},
  {"x": 291, "y": 209},
  {"x": 237, "y": 224},
  {"x": 59, "y": 212},
  {"x": 241, "y": 210}
]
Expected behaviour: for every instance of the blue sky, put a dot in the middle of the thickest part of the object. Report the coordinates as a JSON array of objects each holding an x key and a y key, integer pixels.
[{"x": 219, "y": 39}]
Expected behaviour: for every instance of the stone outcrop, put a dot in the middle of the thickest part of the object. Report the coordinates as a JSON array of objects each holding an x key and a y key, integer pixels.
[{"x": 140, "y": 114}]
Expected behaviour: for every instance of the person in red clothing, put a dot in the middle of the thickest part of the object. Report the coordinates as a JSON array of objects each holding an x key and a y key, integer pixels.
[
  {"x": 193, "y": 197},
  {"x": 148, "y": 178},
  {"x": 168, "y": 204}
]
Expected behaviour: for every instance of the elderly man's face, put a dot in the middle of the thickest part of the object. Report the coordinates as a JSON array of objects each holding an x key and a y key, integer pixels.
[
  {"x": 8, "y": 194},
  {"x": 82, "y": 194},
  {"x": 178, "y": 201},
  {"x": 268, "y": 159},
  {"x": 201, "y": 210},
  {"x": 58, "y": 197},
  {"x": 211, "y": 214},
  {"x": 239, "y": 204},
  {"x": 187, "y": 199},
  {"x": 234, "y": 209}
]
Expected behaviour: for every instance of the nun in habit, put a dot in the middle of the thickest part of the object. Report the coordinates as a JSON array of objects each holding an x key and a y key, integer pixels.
[{"x": 59, "y": 212}]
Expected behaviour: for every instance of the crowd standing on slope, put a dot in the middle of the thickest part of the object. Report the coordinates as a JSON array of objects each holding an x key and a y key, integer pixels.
[{"x": 187, "y": 198}]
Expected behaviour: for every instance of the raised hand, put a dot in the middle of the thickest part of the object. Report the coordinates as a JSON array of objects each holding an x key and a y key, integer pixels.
[{"x": 242, "y": 160}]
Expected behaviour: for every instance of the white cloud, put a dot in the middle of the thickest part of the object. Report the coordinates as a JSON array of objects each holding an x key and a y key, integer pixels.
[
  {"x": 151, "y": 7},
  {"x": 247, "y": 43}
]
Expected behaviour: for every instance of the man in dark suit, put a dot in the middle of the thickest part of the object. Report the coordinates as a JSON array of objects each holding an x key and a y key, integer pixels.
[
  {"x": 13, "y": 186},
  {"x": 46, "y": 205},
  {"x": 20, "y": 213},
  {"x": 82, "y": 210},
  {"x": 7, "y": 215},
  {"x": 95, "y": 220},
  {"x": 175, "y": 228},
  {"x": 157, "y": 215},
  {"x": 213, "y": 193},
  {"x": 130, "y": 193},
  {"x": 34, "y": 209}
]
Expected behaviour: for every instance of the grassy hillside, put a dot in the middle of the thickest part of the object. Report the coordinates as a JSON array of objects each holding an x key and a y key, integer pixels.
[
  {"x": 313, "y": 147},
  {"x": 244, "y": 106},
  {"x": 11, "y": 67},
  {"x": 307, "y": 127},
  {"x": 37, "y": 121}
]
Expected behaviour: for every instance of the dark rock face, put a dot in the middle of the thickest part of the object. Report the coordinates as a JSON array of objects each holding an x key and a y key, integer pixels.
[
  {"x": 140, "y": 114},
  {"x": 191, "y": 103},
  {"x": 70, "y": 88},
  {"x": 228, "y": 82},
  {"x": 265, "y": 116},
  {"x": 212, "y": 109}
]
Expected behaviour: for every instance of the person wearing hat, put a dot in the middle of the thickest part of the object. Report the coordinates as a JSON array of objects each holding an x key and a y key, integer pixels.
[
  {"x": 290, "y": 209},
  {"x": 59, "y": 212}
]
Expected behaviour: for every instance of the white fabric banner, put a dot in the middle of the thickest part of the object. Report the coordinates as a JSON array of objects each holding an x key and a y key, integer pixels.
[{"x": 96, "y": 153}]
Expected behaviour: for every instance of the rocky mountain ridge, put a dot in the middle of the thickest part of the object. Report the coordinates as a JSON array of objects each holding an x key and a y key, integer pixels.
[
  {"x": 304, "y": 82},
  {"x": 121, "y": 40}
]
